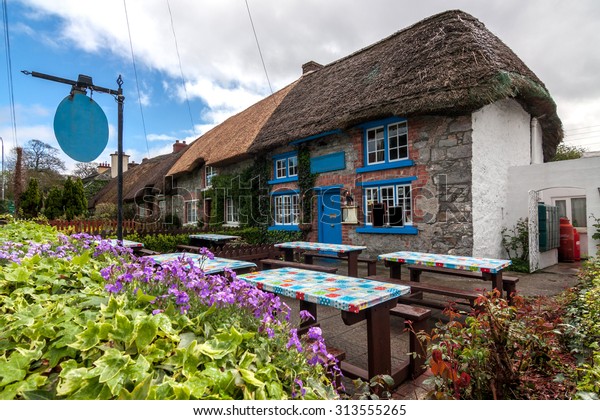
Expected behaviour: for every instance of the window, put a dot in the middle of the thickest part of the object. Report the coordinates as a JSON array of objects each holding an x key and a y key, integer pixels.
[
  {"x": 285, "y": 168},
  {"x": 388, "y": 204},
  {"x": 210, "y": 173},
  {"x": 286, "y": 209},
  {"x": 232, "y": 212},
  {"x": 191, "y": 211},
  {"x": 575, "y": 209},
  {"x": 386, "y": 145}
]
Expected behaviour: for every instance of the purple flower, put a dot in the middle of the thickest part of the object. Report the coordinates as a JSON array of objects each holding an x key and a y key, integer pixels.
[
  {"x": 305, "y": 316},
  {"x": 294, "y": 341}
]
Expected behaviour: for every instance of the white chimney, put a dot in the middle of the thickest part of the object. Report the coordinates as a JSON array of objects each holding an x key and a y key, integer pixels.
[{"x": 114, "y": 160}]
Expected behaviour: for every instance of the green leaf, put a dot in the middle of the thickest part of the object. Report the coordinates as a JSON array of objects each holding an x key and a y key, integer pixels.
[
  {"x": 72, "y": 378},
  {"x": 141, "y": 297},
  {"x": 123, "y": 328},
  {"x": 88, "y": 338},
  {"x": 15, "y": 368},
  {"x": 250, "y": 378},
  {"x": 140, "y": 392},
  {"x": 111, "y": 367},
  {"x": 145, "y": 331}
]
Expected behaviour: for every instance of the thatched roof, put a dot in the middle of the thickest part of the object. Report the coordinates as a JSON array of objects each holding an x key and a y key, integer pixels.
[
  {"x": 229, "y": 141},
  {"x": 447, "y": 64},
  {"x": 150, "y": 174}
]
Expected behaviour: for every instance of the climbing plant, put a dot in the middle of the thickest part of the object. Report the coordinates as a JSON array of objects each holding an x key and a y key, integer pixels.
[{"x": 306, "y": 184}]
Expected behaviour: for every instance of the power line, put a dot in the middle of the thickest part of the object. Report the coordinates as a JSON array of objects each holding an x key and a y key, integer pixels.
[
  {"x": 259, "y": 50},
  {"x": 581, "y": 128},
  {"x": 187, "y": 100},
  {"x": 137, "y": 84},
  {"x": 11, "y": 92}
]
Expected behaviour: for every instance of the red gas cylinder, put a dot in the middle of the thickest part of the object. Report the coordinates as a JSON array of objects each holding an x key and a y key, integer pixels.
[
  {"x": 566, "y": 246},
  {"x": 577, "y": 245}
]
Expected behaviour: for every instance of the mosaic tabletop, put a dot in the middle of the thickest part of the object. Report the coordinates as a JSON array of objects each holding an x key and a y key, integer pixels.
[
  {"x": 213, "y": 266},
  {"x": 316, "y": 246},
  {"x": 485, "y": 265},
  {"x": 213, "y": 237},
  {"x": 345, "y": 293},
  {"x": 127, "y": 243}
]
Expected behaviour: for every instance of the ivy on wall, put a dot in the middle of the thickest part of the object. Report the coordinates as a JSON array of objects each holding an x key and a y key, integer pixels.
[
  {"x": 248, "y": 188},
  {"x": 306, "y": 184}
]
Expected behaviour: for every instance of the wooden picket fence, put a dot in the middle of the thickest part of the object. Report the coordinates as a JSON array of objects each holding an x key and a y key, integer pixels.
[{"x": 109, "y": 227}]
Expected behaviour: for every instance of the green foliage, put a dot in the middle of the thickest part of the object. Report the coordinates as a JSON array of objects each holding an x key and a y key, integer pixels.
[
  {"x": 105, "y": 211},
  {"x": 515, "y": 242},
  {"x": 74, "y": 199},
  {"x": 596, "y": 234},
  {"x": 62, "y": 336},
  {"x": 31, "y": 199},
  {"x": 567, "y": 152},
  {"x": 173, "y": 220},
  {"x": 501, "y": 352},
  {"x": 583, "y": 316},
  {"x": 306, "y": 184},
  {"x": 53, "y": 207}
]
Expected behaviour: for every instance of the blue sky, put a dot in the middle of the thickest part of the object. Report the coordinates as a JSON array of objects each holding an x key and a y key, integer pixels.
[{"x": 222, "y": 68}]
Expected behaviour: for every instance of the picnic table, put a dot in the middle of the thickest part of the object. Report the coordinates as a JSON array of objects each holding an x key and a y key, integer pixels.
[
  {"x": 209, "y": 266},
  {"x": 490, "y": 267},
  {"x": 127, "y": 243},
  {"x": 351, "y": 251},
  {"x": 207, "y": 239},
  {"x": 357, "y": 299}
]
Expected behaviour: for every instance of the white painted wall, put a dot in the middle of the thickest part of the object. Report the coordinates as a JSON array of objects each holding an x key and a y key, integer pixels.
[
  {"x": 583, "y": 174},
  {"x": 501, "y": 139}
]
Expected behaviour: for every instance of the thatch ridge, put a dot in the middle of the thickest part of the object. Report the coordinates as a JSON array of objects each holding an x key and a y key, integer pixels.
[{"x": 447, "y": 64}]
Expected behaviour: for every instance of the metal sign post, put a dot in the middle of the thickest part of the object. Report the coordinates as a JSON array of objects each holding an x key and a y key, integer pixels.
[{"x": 82, "y": 84}]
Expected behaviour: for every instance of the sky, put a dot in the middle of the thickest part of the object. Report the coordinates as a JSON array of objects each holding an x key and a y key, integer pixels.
[{"x": 187, "y": 65}]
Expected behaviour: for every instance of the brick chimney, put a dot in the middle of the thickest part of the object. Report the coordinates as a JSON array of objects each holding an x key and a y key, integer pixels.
[
  {"x": 114, "y": 161},
  {"x": 103, "y": 167},
  {"x": 310, "y": 67},
  {"x": 178, "y": 147}
]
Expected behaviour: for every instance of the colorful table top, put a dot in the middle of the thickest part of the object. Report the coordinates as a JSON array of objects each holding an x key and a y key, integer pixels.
[
  {"x": 316, "y": 246},
  {"x": 213, "y": 266},
  {"x": 345, "y": 293},
  {"x": 485, "y": 265},
  {"x": 127, "y": 243},
  {"x": 213, "y": 237}
]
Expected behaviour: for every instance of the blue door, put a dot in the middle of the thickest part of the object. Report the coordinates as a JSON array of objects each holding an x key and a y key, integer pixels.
[{"x": 330, "y": 216}]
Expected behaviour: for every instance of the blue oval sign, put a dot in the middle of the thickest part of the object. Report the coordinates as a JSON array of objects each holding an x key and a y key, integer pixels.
[{"x": 81, "y": 127}]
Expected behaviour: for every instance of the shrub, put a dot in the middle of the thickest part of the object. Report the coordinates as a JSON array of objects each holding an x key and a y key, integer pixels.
[{"x": 501, "y": 351}]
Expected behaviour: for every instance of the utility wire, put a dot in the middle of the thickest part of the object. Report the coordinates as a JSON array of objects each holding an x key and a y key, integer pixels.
[
  {"x": 137, "y": 84},
  {"x": 11, "y": 92},
  {"x": 187, "y": 100},
  {"x": 259, "y": 50}
]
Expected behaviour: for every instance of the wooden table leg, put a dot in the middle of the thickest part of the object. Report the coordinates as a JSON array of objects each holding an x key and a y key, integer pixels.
[
  {"x": 353, "y": 263},
  {"x": 378, "y": 340},
  {"x": 395, "y": 269},
  {"x": 497, "y": 281},
  {"x": 288, "y": 254}
]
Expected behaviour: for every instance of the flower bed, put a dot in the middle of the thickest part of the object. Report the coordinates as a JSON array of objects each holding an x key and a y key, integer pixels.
[{"x": 82, "y": 319}]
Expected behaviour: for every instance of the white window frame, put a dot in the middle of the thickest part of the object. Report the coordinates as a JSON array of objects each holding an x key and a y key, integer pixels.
[
  {"x": 569, "y": 208},
  {"x": 232, "y": 212},
  {"x": 286, "y": 209},
  {"x": 191, "y": 209},
  {"x": 401, "y": 138},
  {"x": 280, "y": 169},
  {"x": 373, "y": 145},
  {"x": 209, "y": 173},
  {"x": 292, "y": 166},
  {"x": 397, "y": 198}
]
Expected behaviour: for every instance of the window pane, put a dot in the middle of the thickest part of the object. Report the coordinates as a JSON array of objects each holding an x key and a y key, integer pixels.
[
  {"x": 375, "y": 146},
  {"x": 562, "y": 207},
  {"x": 293, "y": 166},
  {"x": 398, "y": 141},
  {"x": 578, "y": 211},
  {"x": 371, "y": 197},
  {"x": 280, "y": 168}
]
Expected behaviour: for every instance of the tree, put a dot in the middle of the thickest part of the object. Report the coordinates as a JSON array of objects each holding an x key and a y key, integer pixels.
[
  {"x": 41, "y": 157},
  {"x": 54, "y": 207},
  {"x": 567, "y": 152},
  {"x": 31, "y": 199},
  {"x": 85, "y": 169},
  {"x": 74, "y": 198}
]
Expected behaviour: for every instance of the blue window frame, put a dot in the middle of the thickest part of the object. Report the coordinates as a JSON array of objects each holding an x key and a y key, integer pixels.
[
  {"x": 385, "y": 145},
  {"x": 388, "y": 206},
  {"x": 285, "y": 168}
]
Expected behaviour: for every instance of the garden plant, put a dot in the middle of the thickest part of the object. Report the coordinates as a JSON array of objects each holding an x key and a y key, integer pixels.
[{"x": 81, "y": 319}]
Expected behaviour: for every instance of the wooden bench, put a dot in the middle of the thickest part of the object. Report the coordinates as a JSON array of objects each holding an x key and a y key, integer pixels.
[
  {"x": 467, "y": 297},
  {"x": 142, "y": 252},
  {"x": 371, "y": 262},
  {"x": 267, "y": 264},
  {"x": 418, "y": 317},
  {"x": 188, "y": 248},
  {"x": 509, "y": 283}
]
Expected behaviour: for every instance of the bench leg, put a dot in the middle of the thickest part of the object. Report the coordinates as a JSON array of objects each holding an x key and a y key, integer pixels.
[
  {"x": 372, "y": 268},
  {"x": 417, "y": 349},
  {"x": 415, "y": 275},
  {"x": 308, "y": 259}
]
